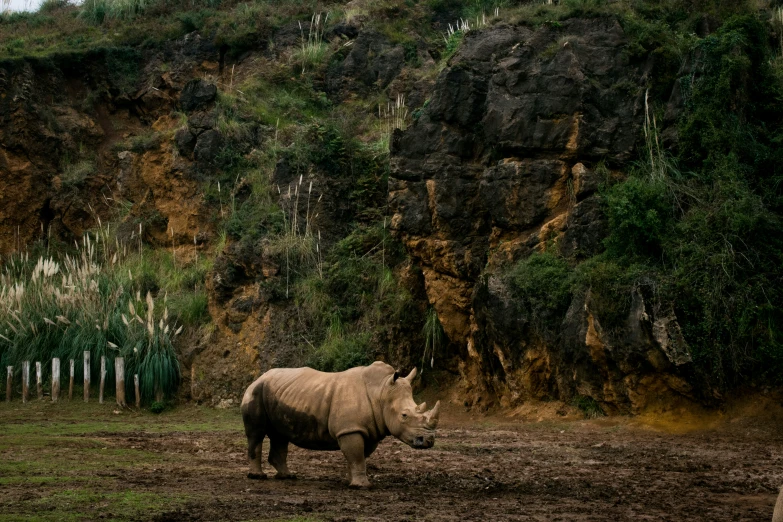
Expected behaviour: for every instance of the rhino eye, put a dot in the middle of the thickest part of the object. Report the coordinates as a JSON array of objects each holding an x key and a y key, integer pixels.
[{"x": 404, "y": 415}]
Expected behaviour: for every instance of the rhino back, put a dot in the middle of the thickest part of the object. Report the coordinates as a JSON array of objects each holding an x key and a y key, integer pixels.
[{"x": 311, "y": 408}]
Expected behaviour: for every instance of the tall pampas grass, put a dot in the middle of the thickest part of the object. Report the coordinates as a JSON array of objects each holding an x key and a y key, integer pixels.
[{"x": 82, "y": 301}]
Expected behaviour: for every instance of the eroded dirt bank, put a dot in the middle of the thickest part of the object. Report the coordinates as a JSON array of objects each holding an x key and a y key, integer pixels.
[{"x": 482, "y": 468}]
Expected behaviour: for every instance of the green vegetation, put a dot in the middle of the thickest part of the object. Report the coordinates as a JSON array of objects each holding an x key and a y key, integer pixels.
[
  {"x": 542, "y": 286},
  {"x": 588, "y": 406},
  {"x": 353, "y": 300},
  {"x": 80, "y": 464},
  {"x": 100, "y": 298},
  {"x": 698, "y": 231}
]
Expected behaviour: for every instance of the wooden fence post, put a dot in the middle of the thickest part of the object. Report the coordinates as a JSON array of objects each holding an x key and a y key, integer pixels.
[
  {"x": 138, "y": 394},
  {"x": 103, "y": 378},
  {"x": 86, "y": 376},
  {"x": 25, "y": 380},
  {"x": 9, "y": 380},
  {"x": 39, "y": 379},
  {"x": 119, "y": 377},
  {"x": 55, "y": 379},
  {"x": 70, "y": 386}
]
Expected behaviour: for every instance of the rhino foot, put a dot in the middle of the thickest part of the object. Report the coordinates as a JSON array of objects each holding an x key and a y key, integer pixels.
[
  {"x": 285, "y": 476},
  {"x": 256, "y": 476},
  {"x": 360, "y": 485}
]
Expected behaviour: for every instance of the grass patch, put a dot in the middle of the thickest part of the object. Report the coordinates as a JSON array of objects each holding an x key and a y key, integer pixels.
[{"x": 588, "y": 406}]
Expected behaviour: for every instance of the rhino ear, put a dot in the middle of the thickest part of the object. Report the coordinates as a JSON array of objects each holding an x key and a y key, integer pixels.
[
  {"x": 395, "y": 376},
  {"x": 411, "y": 375}
]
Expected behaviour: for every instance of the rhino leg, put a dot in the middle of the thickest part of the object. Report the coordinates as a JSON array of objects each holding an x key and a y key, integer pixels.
[
  {"x": 369, "y": 448},
  {"x": 255, "y": 440},
  {"x": 353, "y": 447},
  {"x": 278, "y": 456}
]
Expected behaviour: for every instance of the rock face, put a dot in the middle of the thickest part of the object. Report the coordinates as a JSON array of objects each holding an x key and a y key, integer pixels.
[
  {"x": 503, "y": 162},
  {"x": 70, "y": 143}
]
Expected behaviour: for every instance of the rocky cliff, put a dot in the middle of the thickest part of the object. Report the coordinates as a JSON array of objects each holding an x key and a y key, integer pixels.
[
  {"x": 504, "y": 161},
  {"x": 511, "y": 141}
]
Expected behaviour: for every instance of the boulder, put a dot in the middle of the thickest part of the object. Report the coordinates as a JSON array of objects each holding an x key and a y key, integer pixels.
[
  {"x": 196, "y": 94},
  {"x": 208, "y": 145}
]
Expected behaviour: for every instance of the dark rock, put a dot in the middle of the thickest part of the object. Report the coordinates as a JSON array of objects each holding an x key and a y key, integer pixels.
[
  {"x": 498, "y": 165},
  {"x": 290, "y": 35},
  {"x": 185, "y": 141},
  {"x": 585, "y": 230},
  {"x": 372, "y": 62},
  {"x": 201, "y": 121},
  {"x": 197, "y": 93},
  {"x": 207, "y": 146},
  {"x": 343, "y": 30}
]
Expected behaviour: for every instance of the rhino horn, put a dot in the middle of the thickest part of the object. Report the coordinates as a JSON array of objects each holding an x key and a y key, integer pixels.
[
  {"x": 411, "y": 375},
  {"x": 421, "y": 408},
  {"x": 433, "y": 416}
]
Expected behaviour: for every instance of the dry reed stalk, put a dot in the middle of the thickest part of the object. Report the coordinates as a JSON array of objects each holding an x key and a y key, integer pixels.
[
  {"x": 315, "y": 34},
  {"x": 657, "y": 167}
]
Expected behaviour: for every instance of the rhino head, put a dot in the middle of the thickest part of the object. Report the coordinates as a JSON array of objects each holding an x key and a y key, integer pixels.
[{"x": 409, "y": 422}]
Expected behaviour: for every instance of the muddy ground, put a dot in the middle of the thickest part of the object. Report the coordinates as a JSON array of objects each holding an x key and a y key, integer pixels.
[{"x": 87, "y": 463}]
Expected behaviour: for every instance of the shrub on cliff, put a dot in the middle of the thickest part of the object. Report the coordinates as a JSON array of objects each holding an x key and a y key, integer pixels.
[
  {"x": 542, "y": 284},
  {"x": 713, "y": 233}
]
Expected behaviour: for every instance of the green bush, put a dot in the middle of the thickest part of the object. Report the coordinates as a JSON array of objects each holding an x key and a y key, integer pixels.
[
  {"x": 588, "y": 406},
  {"x": 707, "y": 238},
  {"x": 341, "y": 351},
  {"x": 640, "y": 213},
  {"x": 542, "y": 283}
]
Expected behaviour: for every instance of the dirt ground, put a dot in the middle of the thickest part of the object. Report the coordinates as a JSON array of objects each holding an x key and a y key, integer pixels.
[{"x": 86, "y": 463}]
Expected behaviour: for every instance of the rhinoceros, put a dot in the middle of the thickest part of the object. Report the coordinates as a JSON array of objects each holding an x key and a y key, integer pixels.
[
  {"x": 777, "y": 516},
  {"x": 351, "y": 411}
]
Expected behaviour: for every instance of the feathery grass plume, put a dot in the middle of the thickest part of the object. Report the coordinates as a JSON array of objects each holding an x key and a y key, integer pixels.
[
  {"x": 53, "y": 307},
  {"x": 299, "y": 243},
  {"x": 313, "y": 48},
  {"x": 394, "y": 116}
]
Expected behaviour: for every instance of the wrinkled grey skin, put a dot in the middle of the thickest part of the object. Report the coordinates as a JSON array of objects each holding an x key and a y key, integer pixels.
[
  {"x": 777, "y": 516},
  {"x": 351, "y": 411}
]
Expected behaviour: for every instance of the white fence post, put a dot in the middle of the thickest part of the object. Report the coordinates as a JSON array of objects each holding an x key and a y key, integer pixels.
[
  {"x": 70, "y": 386},
  {"x": 86, "y": 376},
  {"x": 9, "y": 380},
  {"x": 119, "y": 377},
  {"x": 25, "y": 380},
  {"x": 103, "y": 378},
  {"x": 138, "y": 394},
  {"x": 55, "y": 379},
  {"x": 39, "y": 379}
]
